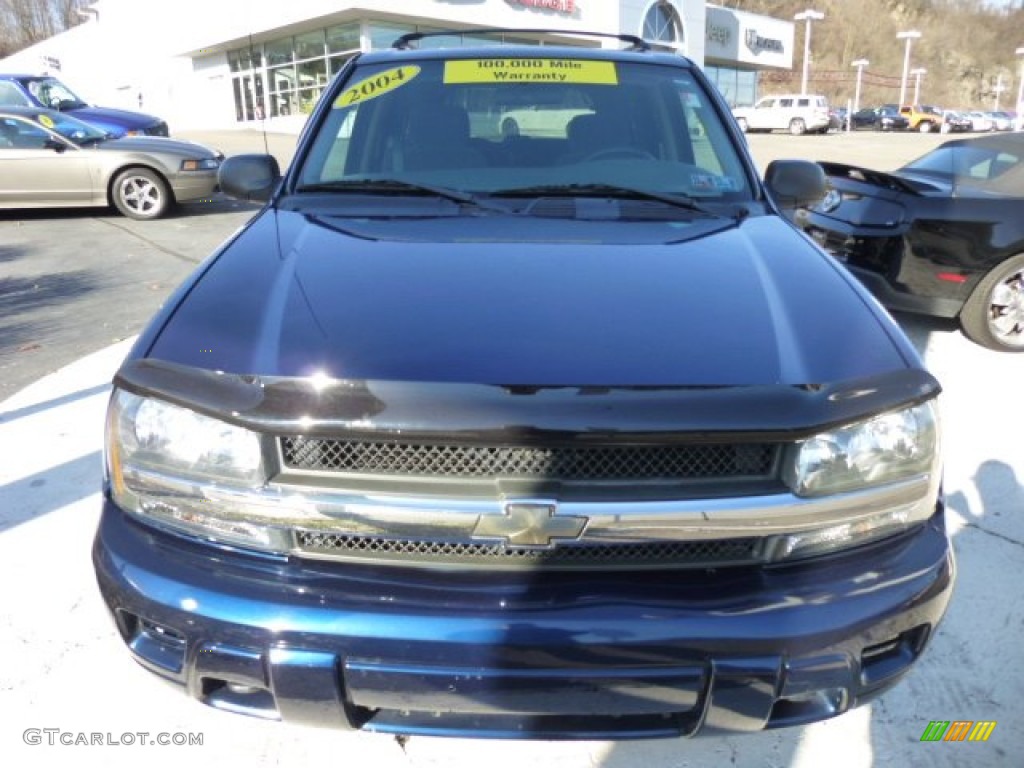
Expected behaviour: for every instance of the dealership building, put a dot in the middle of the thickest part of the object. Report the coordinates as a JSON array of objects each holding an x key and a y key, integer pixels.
[{"x": 223, "y": 63}]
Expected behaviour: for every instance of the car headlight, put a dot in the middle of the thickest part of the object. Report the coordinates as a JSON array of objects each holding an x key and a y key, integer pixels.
[
  {"x": 192, "y": 472},
  {"x": 884, "y": 449},
  {"x": 206, "y": 164},
  {"x": 153, "y": 434}
]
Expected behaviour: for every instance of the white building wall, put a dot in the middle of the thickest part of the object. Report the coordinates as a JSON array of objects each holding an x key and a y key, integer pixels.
[{"x": 169, "y": 59}]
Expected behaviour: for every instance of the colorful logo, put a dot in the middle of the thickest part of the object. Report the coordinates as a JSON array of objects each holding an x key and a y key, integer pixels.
[{"x": 958, "y": 730}]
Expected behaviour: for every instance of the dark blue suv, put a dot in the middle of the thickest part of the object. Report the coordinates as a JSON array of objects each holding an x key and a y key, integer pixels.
[
  {"x": 553, "y": 431},
  {"x": 51, "y": 93}
]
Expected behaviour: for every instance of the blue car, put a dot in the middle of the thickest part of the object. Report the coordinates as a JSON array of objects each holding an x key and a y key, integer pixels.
[
  {"x": 561, "y": 432},
  {"x": 51, "y": 93}
]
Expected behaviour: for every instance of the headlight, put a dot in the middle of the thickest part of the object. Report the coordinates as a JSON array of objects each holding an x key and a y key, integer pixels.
[
  {"x": 206, "y": 164},
  {"x": 190, "y": 471},
  {"x": 152, "y": 434},
  {"x": 887, "y": 448}
]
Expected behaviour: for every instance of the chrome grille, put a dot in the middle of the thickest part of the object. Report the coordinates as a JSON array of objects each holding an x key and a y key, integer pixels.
[
  {"x": 654, "y": 554},
  {"x": 569, "y": 463}
]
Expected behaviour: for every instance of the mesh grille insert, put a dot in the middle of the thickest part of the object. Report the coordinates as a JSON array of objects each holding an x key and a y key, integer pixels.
[
  {"x": 614, "y": 462},
  {"x": 638, "y": 554}
]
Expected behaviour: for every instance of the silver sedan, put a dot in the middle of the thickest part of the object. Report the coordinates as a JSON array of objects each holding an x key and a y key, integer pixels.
[{"x": 49, "y": 159}]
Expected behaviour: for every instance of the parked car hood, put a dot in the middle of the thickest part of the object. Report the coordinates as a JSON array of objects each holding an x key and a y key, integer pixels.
[
  {"x": 751, "y": 304},
  {"x": 120, "y": 118}
]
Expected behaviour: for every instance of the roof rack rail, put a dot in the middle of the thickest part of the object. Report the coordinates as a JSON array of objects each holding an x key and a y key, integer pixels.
[{"x": 403, "y": 42}]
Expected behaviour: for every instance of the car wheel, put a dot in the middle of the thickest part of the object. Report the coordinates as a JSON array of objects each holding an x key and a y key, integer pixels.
[
  {"x": 925, "y": 126},
  {"x": 140, "y": 193},
  {"x": 509, "y": 128},
  {"x": 742, "y": 123},
  {"x": 797, "y": 126},
  {"x": 993, "y": 316}
]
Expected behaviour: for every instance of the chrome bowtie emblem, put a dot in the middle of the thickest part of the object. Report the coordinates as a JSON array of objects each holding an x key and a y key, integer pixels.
[{"x": 529, "y": 525}]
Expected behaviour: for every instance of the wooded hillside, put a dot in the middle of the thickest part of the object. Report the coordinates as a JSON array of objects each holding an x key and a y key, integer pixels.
[{"x": 967, "y": 46}]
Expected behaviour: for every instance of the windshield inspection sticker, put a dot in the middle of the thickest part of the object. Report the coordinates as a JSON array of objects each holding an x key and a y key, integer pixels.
[
  {"x": 376, "y": 85},
  {"x": 530, "y": 71}
]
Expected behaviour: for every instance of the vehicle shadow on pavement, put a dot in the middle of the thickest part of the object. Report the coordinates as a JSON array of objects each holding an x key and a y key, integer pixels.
[
  {"x": 920, "y": 328},
  {"x": 6, "y": 417},
  {"x": 50, "y": 489},
  {"x": 8, "y": 253},
  {"x": 22, "y": 296}
]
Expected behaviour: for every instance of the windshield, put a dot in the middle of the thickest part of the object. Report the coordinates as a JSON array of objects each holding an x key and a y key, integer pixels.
[
  {"x": 33, "y": 130},
  {"x": 993, "y": 166},
  {"x": 515, "y": 125},
  {"x": 52, "y": 93}
]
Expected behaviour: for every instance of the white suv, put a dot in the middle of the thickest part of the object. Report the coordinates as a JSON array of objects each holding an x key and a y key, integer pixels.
[{"x": 793, "y": 112}]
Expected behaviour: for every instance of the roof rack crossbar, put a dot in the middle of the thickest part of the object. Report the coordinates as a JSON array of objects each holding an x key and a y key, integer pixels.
[{"x": 404, "y": 42}]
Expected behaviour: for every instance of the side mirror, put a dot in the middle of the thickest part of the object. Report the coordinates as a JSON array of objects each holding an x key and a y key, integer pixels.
[
  {"x": 56, "y": 146},
  {"x": 251, "y": 178},
  {"x": 795, "y": 183}
]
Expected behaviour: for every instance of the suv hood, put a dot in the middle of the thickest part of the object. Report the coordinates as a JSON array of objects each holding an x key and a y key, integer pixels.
[
  {"x": 115, "y": 120},
  {"x": 751, "y": 304}
]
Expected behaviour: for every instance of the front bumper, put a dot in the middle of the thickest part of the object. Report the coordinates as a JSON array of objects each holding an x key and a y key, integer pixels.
[
  {"x": 197, "y": 185},
  {"x": 538, "y": 655}
]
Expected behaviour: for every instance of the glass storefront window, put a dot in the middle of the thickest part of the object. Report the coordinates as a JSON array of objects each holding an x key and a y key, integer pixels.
[
  {"x": 308, "y": 98},
  {"x": 245, "y": 59},
  {"x": 282, "y": 78},
  {"x": 310, "y": 45},
  {"x": 343, "y": 38},
  {"x": 279, "y": 51},
  {"x": 312, "y": 73},
  {"x": 295, "y": 70},
  {"x": 737, "y": 86},
  {"x": 383, "y": 35},
  {"x": 283, "y": 104}
]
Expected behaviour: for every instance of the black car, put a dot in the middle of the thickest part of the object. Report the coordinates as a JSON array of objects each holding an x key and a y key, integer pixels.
[
  {"x": 561, "y": 432},
  {"x": 956, "y": 122},
  {"x": 879, "y": 119},
  {"x": 943, "y": 235}
]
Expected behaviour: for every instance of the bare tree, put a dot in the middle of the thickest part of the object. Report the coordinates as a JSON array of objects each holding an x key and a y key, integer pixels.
[{"x": 24, "y": 22}]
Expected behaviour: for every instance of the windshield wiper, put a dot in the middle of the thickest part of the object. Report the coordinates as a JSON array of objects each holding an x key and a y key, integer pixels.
[
  {"x": 397, "y": 186},
  {"x": 607, "y": 190}
]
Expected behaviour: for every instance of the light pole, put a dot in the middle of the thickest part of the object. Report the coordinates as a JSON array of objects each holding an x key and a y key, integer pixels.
[
  {"x": 807, "y": 16},
  {"x": 917, "y": 82},
  {"x": 998, "y": 90},
  {"x": 910, "y": 35},
  {"x": 859, "y": 64},
  {"x": 1020, "y": 91}
]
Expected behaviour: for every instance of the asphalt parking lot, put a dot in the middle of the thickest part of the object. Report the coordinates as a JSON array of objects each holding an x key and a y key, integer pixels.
[{"x": 76, "y": 286}]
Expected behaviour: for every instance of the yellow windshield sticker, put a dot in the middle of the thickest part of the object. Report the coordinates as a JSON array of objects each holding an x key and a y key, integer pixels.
[
  {"x": 530, "y": 71},
  {"x": 46, "y": 120},
  {"x": 376, "y": 85}
]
